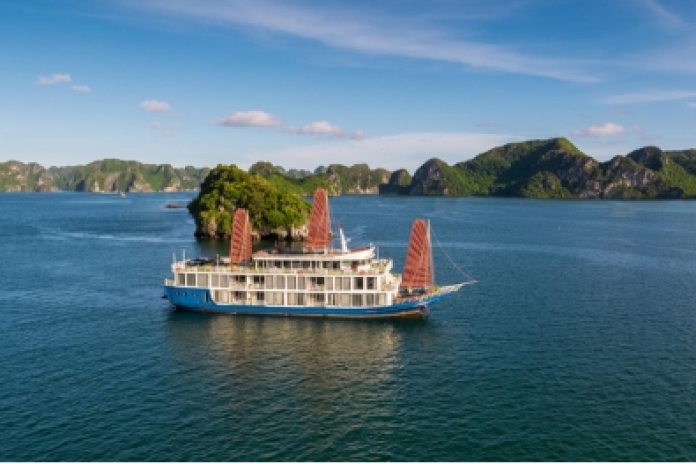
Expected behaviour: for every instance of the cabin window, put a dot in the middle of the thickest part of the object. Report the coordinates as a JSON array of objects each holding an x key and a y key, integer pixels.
[
  {"x": 269, "y": 283},
  {"x": 331, "y": 299},
  {"x": 296, "y": 265},
  {"x": 306, "y": 265},
  {"x": 292, "y": 298},
  {"x": 292, "y": 282},
  {"x": 357, "y": 300},
  {"x": 369, "y": 299},
  {"x": 336, "y": 265},
  {"x": 224, "y": 281},
  {"x": 329, "y": 283},
  {"x": 345, "y": 283},
  {"x": 301, "y": 299},
  {"x": 260, "y": 296},
  {"x": 317, "y": 298},
  {"x": 358, "y": 283},
  {"x": 370, "y": 283},
  {"x": 381, "y": 299},
  {"x": 286, "y": 264},
  {"x": 191, "y": 280},
  {"x": 181, "y": 279},
  {"x": 259, "y": 280},
  {"x": 344, "y": 299},
  {"x": 238, "y": 295},
  {"x": 215, "y": 278},
  {"x": 280, "y": 282},
  {"x": 301, "y": 283},
  {"x": 240, "y": 279},
  {"x": 202, "y": 280}
]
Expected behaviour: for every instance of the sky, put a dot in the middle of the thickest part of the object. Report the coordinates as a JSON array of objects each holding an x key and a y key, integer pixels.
[{"x": 303, "y": 84}]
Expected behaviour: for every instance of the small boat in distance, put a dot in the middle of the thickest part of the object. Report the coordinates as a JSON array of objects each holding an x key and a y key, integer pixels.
[{"x": 316, "y": 281}]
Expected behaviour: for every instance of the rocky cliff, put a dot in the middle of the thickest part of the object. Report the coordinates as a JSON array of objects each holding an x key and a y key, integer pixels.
[{"x": 19, "y": 177}]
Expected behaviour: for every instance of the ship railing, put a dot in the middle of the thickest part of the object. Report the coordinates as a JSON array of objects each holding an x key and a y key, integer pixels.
[{"x": 250, "y": 270}]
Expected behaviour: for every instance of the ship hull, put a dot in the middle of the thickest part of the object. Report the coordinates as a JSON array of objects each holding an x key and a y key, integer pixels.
[{"x": 198, "y": 299}]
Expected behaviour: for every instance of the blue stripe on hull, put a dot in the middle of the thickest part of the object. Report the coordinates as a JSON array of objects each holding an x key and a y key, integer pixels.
[{"x": 194, "y": 299}]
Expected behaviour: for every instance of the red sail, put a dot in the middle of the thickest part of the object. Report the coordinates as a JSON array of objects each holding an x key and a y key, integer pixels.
[
  {"x": 418, "y": 271},
  {"x": 240, "y": 250},
  {"x": 319, "y": 226}
]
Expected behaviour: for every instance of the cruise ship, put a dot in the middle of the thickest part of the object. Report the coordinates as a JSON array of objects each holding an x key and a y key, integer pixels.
[{"x": 316, "y": 281}]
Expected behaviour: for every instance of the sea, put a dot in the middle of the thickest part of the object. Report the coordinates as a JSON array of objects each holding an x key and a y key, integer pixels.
[{"x": 577, "y": 343}]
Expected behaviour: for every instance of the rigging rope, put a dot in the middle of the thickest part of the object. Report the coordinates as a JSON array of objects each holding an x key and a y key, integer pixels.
[{"x": 465, "y": 274}]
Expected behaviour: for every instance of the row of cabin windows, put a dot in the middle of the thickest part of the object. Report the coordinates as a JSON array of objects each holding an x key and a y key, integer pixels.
[
  {"x": 312, "y": 264},
  {"x": 279, "y": 282},
  {"x": 300, "y": 299}
]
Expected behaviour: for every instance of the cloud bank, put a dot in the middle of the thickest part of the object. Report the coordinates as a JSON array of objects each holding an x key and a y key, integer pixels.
[{"x": 367, "y": 32}]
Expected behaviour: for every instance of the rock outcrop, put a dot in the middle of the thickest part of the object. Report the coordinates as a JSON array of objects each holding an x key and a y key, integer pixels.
[{"x": 399, "y": 183}]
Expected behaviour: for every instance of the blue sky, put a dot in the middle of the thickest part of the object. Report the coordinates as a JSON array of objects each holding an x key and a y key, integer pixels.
[{"x": 299, "y": 83}]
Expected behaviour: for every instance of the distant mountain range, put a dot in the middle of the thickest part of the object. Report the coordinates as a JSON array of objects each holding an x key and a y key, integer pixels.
[
  {"x": 552, "y": 168},
  {"x": 109, "y": 175}
]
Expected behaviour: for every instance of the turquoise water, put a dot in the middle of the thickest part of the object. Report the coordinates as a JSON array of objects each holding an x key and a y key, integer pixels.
[{"x": 579, "y": 342}]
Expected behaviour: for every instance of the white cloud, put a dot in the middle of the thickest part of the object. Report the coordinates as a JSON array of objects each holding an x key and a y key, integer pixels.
[
  {"x": 154, "y": 106},
  {"x": 605, "y": 130},
  {"x": 252, "y": 118},
  {"x": 322, "y": 128},
  {"x": 81, "y": 88},
  {"x": 370, "y": 33},
  {"x": 392, "y": 152},
  {"x": 325, "y": 128},
  {"x": 691, "y": 104},
  {"x": 54, "y": 79},
  {"x": 649, "y": 96}
]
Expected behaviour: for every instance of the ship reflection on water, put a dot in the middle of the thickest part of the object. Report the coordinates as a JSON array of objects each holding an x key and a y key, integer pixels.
[{"x": 306, "y": 367}]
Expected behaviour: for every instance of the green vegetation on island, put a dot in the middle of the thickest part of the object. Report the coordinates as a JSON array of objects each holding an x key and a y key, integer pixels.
[
  {"x": 555, "y": 168},
  {"x": 274, "y": 211},
  {"x": 337, "y": 179}
]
